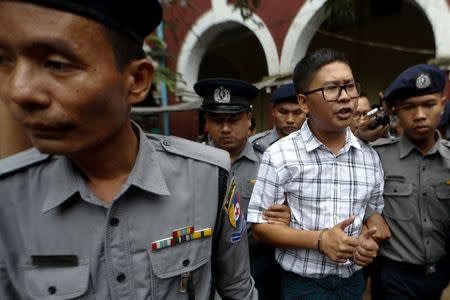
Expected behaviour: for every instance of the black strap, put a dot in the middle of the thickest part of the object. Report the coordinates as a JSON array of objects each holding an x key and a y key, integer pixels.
[{"x": 223, "y": 180}]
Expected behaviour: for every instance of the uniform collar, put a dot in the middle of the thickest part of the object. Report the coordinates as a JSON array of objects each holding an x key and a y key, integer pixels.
[
  {"x": 248, "y": 152},
  {"x": 64, "y": 180},
  {"x": 312, "y": 143},
  {"x": 274, "y": 132},
  {"x": 405, "y": 147}
]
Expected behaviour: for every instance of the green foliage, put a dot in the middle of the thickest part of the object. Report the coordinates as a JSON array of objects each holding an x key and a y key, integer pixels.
[
  {"x": 247, "y": 7},
  {"x": 340, "y": 13}
]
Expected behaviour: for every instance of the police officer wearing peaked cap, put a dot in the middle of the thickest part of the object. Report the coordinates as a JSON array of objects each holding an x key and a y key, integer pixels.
[
  {"x": 226, "y": 103},
  {"x": 287, "y": 115},
  {"x": 411, "y": 264},
  {"x": 98, "y": 209}
]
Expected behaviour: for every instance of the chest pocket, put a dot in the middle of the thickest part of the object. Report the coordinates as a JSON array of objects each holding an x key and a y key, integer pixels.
[
  {"x": 398, "y": 203},
  {"x": 171, "y": 264},
  {"x": 439, "y": 209},
  {"x": 58, "y": 283}
]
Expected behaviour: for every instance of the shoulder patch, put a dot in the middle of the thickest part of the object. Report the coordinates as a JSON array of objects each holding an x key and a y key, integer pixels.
[
  {"x": 384, "y": 141},
  {"x": 21, "y": 161},
  {"x": 258, "y": 136},
  {"x": 186, "y": 148}
]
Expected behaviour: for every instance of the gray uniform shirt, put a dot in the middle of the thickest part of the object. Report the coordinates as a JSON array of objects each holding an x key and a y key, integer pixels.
[
  {"x": 265, "y": 139},
  {"x": 417, "y": 200},
  {"x": 58, "y": 241},
  {"x": 244, "y": 170}
]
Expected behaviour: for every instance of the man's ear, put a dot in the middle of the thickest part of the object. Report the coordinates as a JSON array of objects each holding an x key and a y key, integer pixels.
[
  {"x": 140, "y": 76},
  {"x": 442, "y": 102},
  {"x": 303, "y": 102}
]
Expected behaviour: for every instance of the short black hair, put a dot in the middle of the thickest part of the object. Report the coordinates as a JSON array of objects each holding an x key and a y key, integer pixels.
[
  {"x": 124, "y": 47},
  {"x": 307, "y": 67}
]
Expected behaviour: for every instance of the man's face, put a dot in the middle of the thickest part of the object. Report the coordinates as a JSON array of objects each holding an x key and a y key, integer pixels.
[
  {"x": 363, "y": 108},
  {"x": 419, "y": 116},
  {"x": 288, "y": 117},
  {"x": 59, "y": 79},
  {"x": 329, "y": 116},
  {"x": 229, "y": 131}
]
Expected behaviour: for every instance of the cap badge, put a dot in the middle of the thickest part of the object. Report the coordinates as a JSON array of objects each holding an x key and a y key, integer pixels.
[
  {"x": 423, "y": 81},
  {"x": 222, "y": 95}
]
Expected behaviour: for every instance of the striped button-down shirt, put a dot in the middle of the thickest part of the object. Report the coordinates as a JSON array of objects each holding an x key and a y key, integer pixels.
[{"x": 322, "y": 189}]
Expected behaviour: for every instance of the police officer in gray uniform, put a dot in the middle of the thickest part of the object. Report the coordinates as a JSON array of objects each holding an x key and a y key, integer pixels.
[
  {"x": 99, "y": 210},
  {"x": 287, "y": 115},
  {"x": 417, "y": 190},
  {"x": 226, "y": 103}
]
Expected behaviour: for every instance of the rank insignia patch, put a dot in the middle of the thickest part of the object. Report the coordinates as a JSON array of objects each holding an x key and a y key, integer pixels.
[{"x": 236, "y": 235}]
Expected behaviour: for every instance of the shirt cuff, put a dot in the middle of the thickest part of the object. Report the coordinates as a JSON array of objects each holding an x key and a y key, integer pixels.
[{"x": 369, "y": 212}]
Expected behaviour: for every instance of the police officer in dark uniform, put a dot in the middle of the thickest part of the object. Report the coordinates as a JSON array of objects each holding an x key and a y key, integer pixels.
[
  {"x": 411, "y": 263},
  {"x": 98, "y": 209},
  {"x": 226, "y": 103},
  {"x": 287, "y": 115}
]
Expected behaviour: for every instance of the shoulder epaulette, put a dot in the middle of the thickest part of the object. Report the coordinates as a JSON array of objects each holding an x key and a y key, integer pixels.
[
  {"x": 186, "y": 148},
  {"x": 258, "y": 147},
  {"x": 258, "y": 136},
  {"x": 446, "y": 143},
  {"x": 383, "y": 142},
  {"x": 21, "y": 161}
]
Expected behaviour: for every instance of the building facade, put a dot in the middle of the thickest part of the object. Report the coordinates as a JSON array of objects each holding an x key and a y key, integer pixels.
[{"x": 210, "y": 38}]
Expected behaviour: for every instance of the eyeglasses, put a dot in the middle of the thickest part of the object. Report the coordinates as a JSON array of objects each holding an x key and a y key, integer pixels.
[
  {"x": 358, "y": 115},
  {"x": 333, "y": 92}
]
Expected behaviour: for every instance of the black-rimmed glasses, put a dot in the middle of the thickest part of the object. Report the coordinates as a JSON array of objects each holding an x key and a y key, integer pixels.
[{"x": 333, "y": 92}]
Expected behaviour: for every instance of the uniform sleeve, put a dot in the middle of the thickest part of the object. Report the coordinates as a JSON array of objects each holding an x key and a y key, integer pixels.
[
  {"x": 230, "y": 259},
  {"x": 268, "y": 190},
  {"x": 376, "y": 201}
]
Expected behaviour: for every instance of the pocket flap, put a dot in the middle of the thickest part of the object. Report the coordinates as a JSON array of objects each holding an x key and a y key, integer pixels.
[
  {"x": 57, "y": 283},
  {"x": 396, "y": 188},
  {"x": 443, "y": 192},
  {"x": 181, "y": 258}
]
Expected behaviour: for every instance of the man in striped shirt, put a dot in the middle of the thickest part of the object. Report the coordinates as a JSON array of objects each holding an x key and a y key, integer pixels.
[{"x": 329, "y": 178}]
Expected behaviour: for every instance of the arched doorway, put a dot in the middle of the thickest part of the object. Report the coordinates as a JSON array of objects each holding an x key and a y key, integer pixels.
[
  {"x": 237, "y": 53},
  {"x": 221, "y": 44},
  {"x": 386, "y": 37}
]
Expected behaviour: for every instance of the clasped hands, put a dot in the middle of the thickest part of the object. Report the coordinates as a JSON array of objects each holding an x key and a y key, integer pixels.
[{"x": 338, "y": 246}]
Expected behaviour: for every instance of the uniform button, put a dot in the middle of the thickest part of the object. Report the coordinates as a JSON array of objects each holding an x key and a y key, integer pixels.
[
  {"x": 186, "y": 262},
  {"x": 52, "y": 290},
  {"x": 425, "y": 220},
  {"x": 424, "y": 193},
  {"x": 114, "y": 222},
  {"x": 423, "y": 168},
  {"x": 166, "y": 143},
  {"x": 428, "y": 242},
  {"x": 395, "y": 190},
  {"x": 121, "y": 277}
]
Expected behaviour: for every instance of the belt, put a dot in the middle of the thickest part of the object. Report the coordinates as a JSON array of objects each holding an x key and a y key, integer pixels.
[{"x": 426, "y": 269}]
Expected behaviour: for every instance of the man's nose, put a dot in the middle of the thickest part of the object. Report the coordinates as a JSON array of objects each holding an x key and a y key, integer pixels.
[
  {"x": 27, "y": 87},
  {"x": 290, "y": 118},
  {"x": 420, "y": 113}
]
